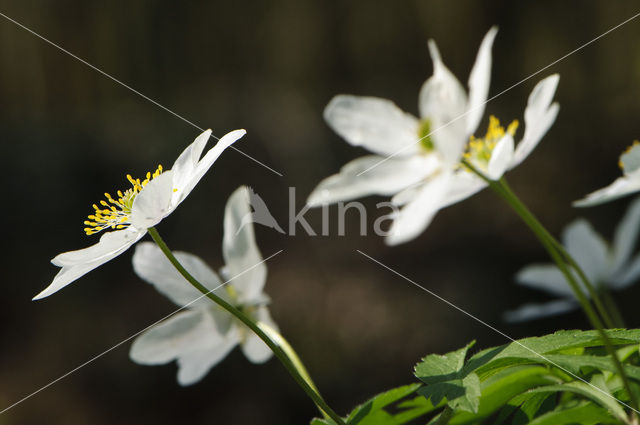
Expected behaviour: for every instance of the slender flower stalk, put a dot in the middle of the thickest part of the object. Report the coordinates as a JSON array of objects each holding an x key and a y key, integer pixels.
[
  {"x": 276, "y": 342},
  {"x": 557, "y": 246},
  {"x": 562, "y": 260}
]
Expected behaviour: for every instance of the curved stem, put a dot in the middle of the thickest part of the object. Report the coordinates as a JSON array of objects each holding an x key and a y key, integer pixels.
[
  {"x": 276, "y": 342},
  {"x": 562, "y": 251},
  {"x": 551, "y": 245}
]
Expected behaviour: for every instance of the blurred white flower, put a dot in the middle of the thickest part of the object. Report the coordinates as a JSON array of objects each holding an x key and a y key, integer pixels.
[
  {"x": 604, "y": 265},
  {"x": 203, "y": 334},
  {"x": 622, "y": 186},
  {"x": 142, "y": 206},
  {"x": 408, "y": 150}
]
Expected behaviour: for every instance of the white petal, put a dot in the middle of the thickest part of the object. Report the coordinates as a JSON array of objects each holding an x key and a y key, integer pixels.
[
  {"x": 373, "y": 123},
  {"x": 243, "y": 260},
  {"x": 76, "y": 264},
  {"x": 539, "y": 115},
  {"x": 537, "y": 311},
  {"x": 622, "y": 186},
  {"x": 253, "y": 347},
  {"x": 407, "y": 195},
  {"x": 153, "y": 203},
  {"x": 186, "y": 163},
  {"x": 191, "y": 337},
  {"x": 387, "y": 177},
  {"x": 479, "y": 82},
  {"x": 627, "y": 275},
  {"x": 416, "y": 216},
  {"x": 185, "y": 331},
  {"x": 630, "y": 159},
  {"x": 588, "y": 249},
  {"x": 186, "y": 180},
  {"x": 462, "y": 185},
  {"x": 151, "y": 265},
  {"x": 501, "y": 157},
  {"x": 443, "y": 102},
  {"x": 194, "y": 365},
  {"x": 626, "y": 235},
  {"x": 545, "y": 277}
]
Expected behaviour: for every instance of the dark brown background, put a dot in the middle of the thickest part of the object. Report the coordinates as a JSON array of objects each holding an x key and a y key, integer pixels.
[{"x": 69, "y": 134}]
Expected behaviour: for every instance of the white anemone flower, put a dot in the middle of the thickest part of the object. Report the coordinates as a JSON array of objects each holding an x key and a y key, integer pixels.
[
  {"x": 611, "y": 267},
  {"x": 203, "y": 333},
  {"x": 408, "y": 150},
  {"x": 142, "y": 206},
  {"x": 626, "y": 185}
]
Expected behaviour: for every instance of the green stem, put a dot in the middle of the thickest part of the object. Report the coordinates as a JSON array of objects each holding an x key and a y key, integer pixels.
[
  {"x": 513, "y": 199},
  {"x": 445, "y": 416},
  {"x": 551, "y": 245},
  {"x": 610, "y": 303},
  {"x": 270, "y": 336}
]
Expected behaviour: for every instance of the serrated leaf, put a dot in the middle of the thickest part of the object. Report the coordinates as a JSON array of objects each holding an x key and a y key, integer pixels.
[
  {"x": 445, "y": 380},
  {"x": 461, "y": 394},
  {"x": 534, "y": 349},
  {"x": 436, "y": 368}
]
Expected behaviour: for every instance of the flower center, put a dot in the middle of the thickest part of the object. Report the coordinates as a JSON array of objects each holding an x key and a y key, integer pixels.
[
  {"x": 479, "y": 150},
  {"x": 115, "y": 213},
  {"x": 424, "y": 131}
]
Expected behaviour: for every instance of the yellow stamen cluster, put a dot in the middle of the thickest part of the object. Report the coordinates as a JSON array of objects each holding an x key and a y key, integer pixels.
[
  {"x": 479, "y": 150},
  {"x": 114, "y": 213}
]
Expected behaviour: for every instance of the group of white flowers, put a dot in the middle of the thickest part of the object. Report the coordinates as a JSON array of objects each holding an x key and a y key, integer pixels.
[{"x": 423, "y": 163}]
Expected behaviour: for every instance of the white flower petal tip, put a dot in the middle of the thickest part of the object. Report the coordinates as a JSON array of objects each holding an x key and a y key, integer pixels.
[
  {"x": 76, "y": 264},
  {"x": 231, "y": 137},
  {"x": 621, "y": 187},
  {"x": 479, "y": 80},
  {"x": 626, "y": 185},
  {"x": 538, "y": 311}
]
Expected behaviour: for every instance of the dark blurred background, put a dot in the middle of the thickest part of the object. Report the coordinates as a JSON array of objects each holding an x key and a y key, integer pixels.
[{"x": 69, "y": 134}]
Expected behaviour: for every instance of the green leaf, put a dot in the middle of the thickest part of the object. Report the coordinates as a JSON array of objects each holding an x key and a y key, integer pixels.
[
  {"x": 536, "y": 349},
  {"x": 317, "y": 421},
  {"x": 600, "y": 394},
  {"x": 436, "y": 368},
  {"x": 530, "y": 408},
  {"x": 373, "y": 411},
  {"x": 523, "y": 408},
  {"x": 445, "y": 379},
  {"x": 503, "y": 386},
  {"x": 583, "y": 413}
]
